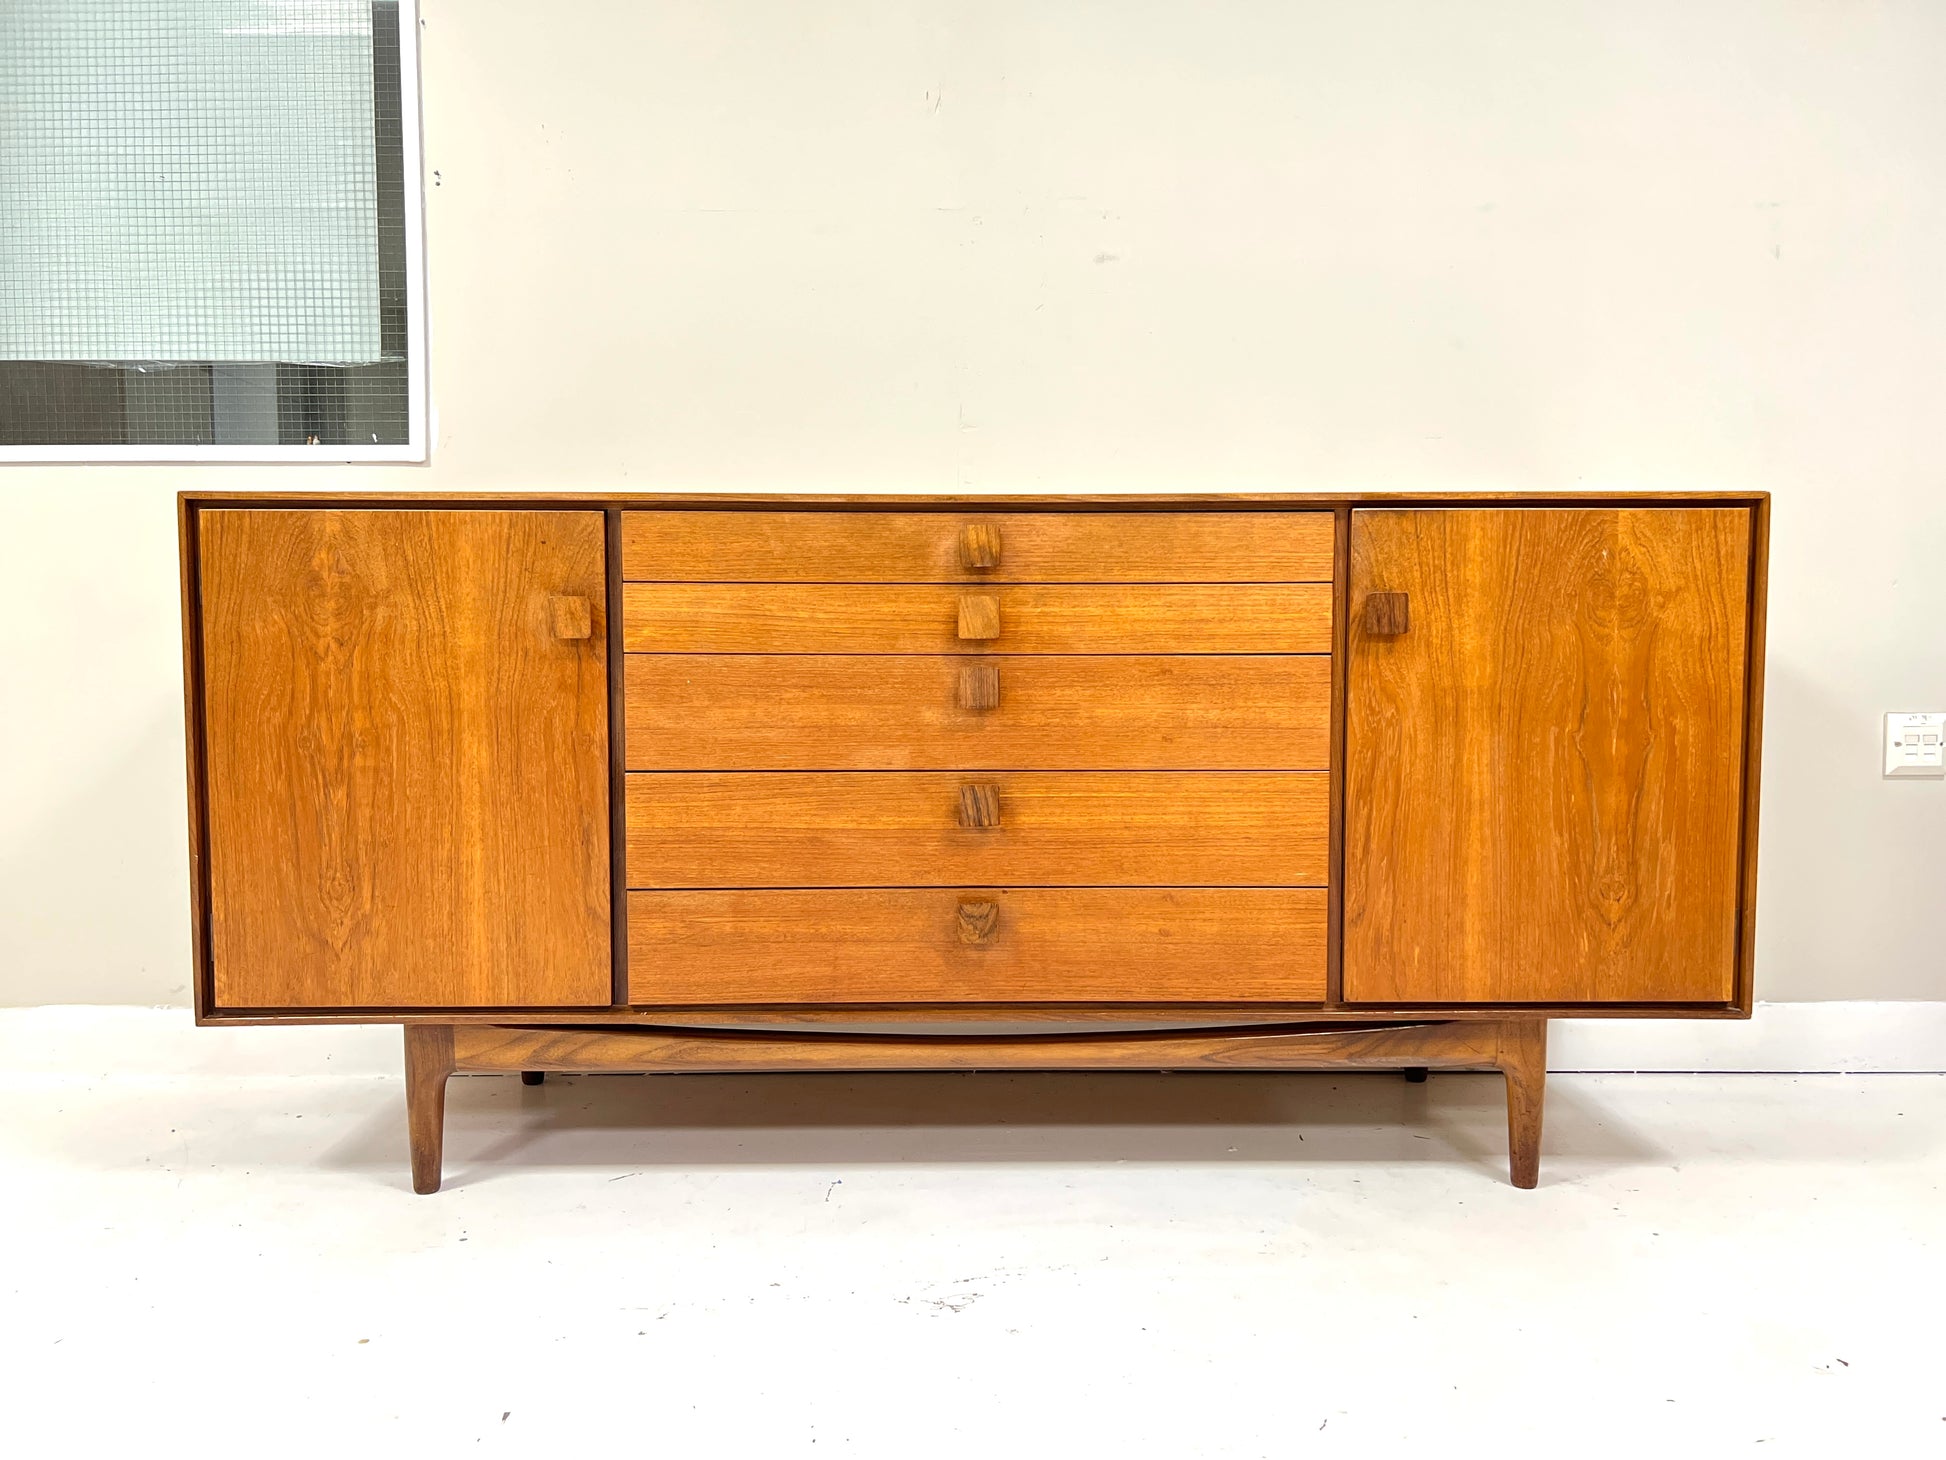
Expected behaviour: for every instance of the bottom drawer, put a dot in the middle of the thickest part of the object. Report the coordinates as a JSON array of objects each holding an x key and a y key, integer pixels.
[{"x": 1026, "y": 945}]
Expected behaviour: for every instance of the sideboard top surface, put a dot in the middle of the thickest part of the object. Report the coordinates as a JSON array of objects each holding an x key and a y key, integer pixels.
[{"x": 959, "y": 502}]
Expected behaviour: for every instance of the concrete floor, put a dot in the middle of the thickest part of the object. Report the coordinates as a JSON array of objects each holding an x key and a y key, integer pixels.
[{"x": 948, "y": 1265}]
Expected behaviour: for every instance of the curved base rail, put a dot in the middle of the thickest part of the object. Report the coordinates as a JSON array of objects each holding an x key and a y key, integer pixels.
[{"x": 1515, "y": 1047}]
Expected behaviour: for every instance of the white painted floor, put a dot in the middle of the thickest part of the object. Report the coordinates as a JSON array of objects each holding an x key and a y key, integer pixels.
[{"x": 206, "y": 1262}]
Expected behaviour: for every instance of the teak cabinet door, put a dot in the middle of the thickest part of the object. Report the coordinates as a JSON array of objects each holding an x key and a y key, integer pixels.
[
  {"x": 406, "y": 731},
  {"x": 1544, "y": 745}
]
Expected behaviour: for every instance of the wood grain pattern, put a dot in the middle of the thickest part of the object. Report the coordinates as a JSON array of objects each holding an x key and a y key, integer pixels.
[
  {"x": 915, "y": 829},
  {"x": 976, "y": 689},
  {"x": 573, "y": 617},
  {"x": 1543, "y": 778},
  {"x": 899, "y": 946},
  {"x": 840, "y": 618},
  {"x": 407, "y": 770},
  {"x": 980, "y": 546},
  {"x": 1076, "y": 712},
  {"x": 1387, "y": 614},
  {"x": 979, "y": 616},
  {"x": 1447, "y": 1045},
  {"x": 928, "y": 1018},
  {"x": 428, "y": 1061},
  {"x": 979, "y": 920},
  {"x": 979, "y": 808},
  {"x": 927, "y": 547},
  {"x": 1523, "y": 1060},
  {"x": 985, "y": 1021}
]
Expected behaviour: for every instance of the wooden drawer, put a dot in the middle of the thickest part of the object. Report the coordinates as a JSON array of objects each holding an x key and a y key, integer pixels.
[
  {"x": 935, "y": 547},
  {"x": 925, "y": 618},
  {"x": 903, "y": 712},
  {"x": 1181, "y": 944},
  {"x": 919, "y": 829}
]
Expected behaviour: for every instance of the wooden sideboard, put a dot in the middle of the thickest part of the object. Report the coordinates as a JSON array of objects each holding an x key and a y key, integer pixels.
[{"x": 659, "y": 783}]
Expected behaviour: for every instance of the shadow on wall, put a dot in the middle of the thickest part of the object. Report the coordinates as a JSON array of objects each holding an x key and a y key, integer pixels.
[
  {"x": 1845, "y": 869},
  {"x": 94, "y": 895}
]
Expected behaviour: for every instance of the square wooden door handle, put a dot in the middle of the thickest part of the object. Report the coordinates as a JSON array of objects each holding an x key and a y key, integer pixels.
[
  {"x": 977, "y": 921},
  {"x": 979, "y": 806},
  {"x": 979, "y": 616},
  {"x": 574, "y": 618},
  {"x": 1387, "y": 614},
  {"x": 979, "y": 687},
  {"x": 979, "y": 547}
]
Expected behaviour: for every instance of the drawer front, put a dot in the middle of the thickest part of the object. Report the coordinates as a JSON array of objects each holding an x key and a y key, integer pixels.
[
  {"x": 925, "y": 618},
  {"x": 918, "y": 829},
  {"x": 977, "y": 945},
  {"x": 995, "y": 547},
  {"x": 912, "y": 712}
]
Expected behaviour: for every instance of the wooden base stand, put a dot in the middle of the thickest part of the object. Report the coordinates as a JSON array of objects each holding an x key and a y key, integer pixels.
[
  {"x": 1515, "y": 1047},
  {"x": 428, "y": 1061}
]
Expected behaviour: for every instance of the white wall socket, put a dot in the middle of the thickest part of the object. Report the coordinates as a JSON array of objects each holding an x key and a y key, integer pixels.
[{"x": 1915, "y": 743}]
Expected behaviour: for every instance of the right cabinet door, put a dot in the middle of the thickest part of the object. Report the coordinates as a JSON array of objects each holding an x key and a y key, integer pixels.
[{"x": 1544, "y": 753}]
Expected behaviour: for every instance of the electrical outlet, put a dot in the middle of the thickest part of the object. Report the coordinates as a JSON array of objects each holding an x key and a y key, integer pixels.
[{"x": 1915, "y": 743}]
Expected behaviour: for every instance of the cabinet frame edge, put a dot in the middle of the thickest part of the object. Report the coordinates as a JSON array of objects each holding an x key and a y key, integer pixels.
[
  {"x": 189, "y": 505},
  {"x": 961, "y": 502},
  {"x": 1744, "y": 991},
  {"x": 617, "y": 762},
  {"x": 894, "y": 1015},
  {"x": 202, "y": 983}
]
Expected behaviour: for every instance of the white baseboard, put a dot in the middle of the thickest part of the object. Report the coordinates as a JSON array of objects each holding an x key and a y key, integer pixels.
[
  {"x": 91, "y": 1041},
  {"x": 117, "y": 1040},
  {"x": 1822, "y": 1038}
]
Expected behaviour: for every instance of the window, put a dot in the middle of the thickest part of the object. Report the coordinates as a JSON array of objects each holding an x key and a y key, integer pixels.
[{"x": 210, "y": 230}]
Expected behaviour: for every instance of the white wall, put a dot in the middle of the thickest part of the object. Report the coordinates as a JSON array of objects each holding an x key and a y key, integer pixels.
[{"x": 920, "y": 245}]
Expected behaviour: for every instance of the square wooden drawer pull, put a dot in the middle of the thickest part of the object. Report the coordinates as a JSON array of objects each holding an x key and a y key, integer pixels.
[
  {"x": 573, "y": 617},
  {"x": 979, "y": 687},
  {"x": 979, "y": 616},
  {"x": 979, "y": 546},
  {"x": 979, "y": 806},
  {"x": 1387, "y": 614},
  {"x": 978, "y": 921}
]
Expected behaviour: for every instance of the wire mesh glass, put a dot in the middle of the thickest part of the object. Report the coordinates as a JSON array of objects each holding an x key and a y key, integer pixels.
[{"x": 202, "y": 223}]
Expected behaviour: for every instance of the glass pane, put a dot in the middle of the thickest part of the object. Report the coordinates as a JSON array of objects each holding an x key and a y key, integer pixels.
[{"x": 204, "y": 236}]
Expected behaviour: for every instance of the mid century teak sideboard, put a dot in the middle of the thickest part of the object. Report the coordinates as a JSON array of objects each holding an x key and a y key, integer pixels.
[{"x": 659, "y": 783}]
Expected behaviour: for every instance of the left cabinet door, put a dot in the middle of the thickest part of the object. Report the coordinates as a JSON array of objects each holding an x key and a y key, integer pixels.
[{"x": 406, "y": 736}]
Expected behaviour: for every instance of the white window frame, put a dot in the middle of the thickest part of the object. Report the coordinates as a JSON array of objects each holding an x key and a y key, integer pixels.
[{"x": 416, "y": 447}]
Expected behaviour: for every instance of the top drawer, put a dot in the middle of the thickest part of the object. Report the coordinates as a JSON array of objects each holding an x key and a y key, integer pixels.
[{"x": 760, "y": 546}]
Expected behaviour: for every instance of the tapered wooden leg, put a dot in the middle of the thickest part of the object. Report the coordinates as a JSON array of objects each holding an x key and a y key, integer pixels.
[
  {"x": 1523, "y": 1059},
  {"x": 428, "y": 1061},
  {"x": 533, "y": 1077}
]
